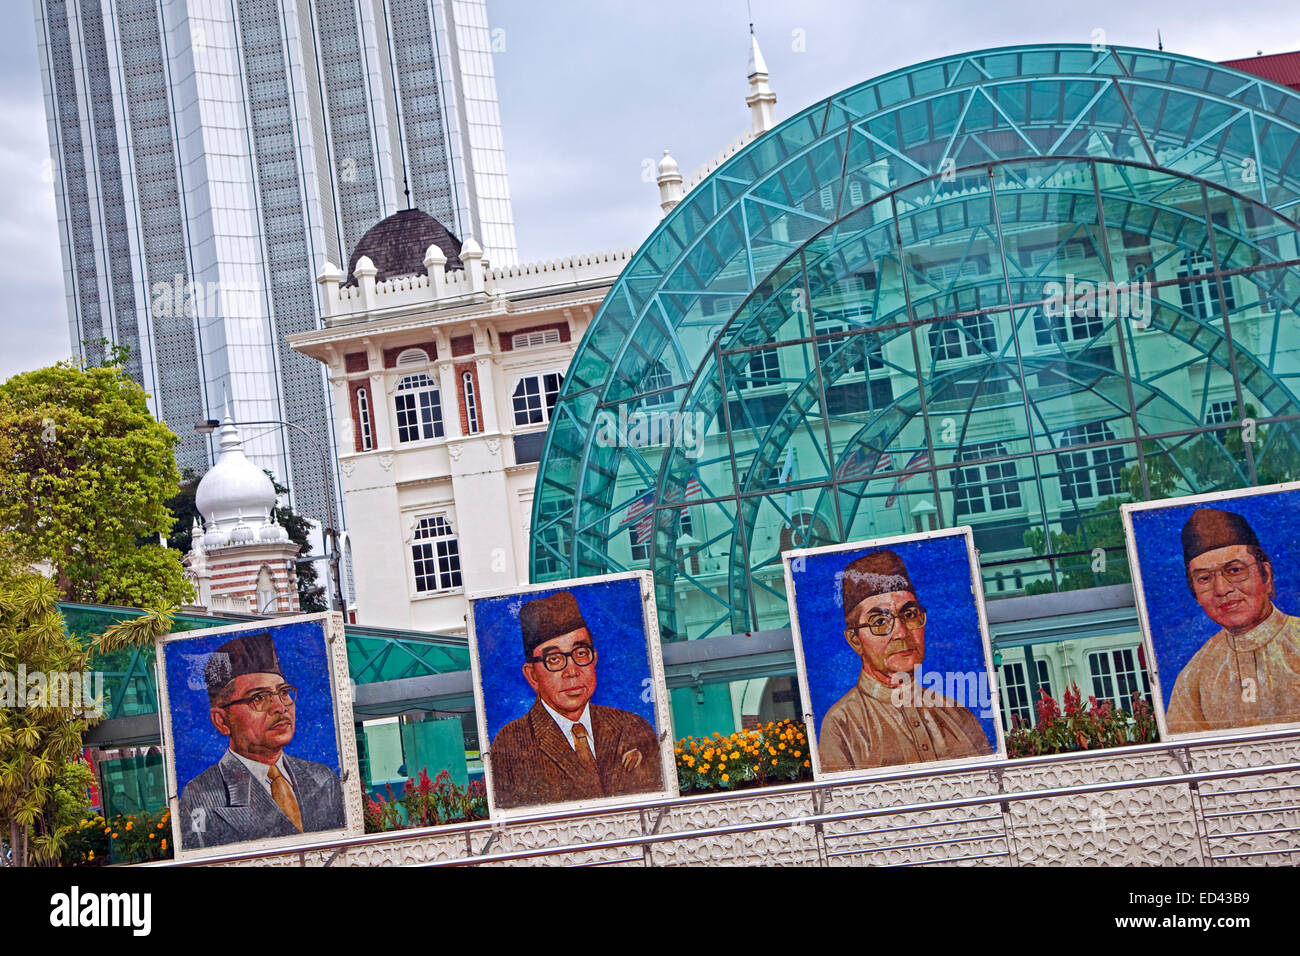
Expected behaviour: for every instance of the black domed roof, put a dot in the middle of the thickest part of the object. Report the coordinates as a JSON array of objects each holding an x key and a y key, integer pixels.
[{"x": 397, "y": 245}]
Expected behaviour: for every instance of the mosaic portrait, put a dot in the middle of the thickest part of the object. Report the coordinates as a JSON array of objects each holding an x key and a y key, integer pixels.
[
  {"x": 251, "y": 724},
  {"x": 570, "y": 693},
  {"x": 893, "y": 653},
  {"x": 1217, "y": 582}
]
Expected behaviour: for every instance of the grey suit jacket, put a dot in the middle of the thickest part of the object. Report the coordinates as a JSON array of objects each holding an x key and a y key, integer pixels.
[{"x": 224, "y": 804}]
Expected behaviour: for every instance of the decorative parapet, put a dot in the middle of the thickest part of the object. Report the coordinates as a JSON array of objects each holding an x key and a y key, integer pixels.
[
  {"x": 736, "y": 145},
  {"x": 479, "y": 281}
]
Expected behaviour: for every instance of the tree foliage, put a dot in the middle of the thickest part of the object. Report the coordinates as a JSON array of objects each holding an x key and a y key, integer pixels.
[
  {"x": 1212, "y": 461},
  {"x": 37, "y": 743},
  {"x": 311, "y": 596},
  {"x": 43, "y": 781},
  {"x": 85, "y": 474}
]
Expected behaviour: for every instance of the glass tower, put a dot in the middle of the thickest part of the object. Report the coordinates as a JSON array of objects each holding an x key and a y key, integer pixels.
[{"x": 209, "y": 155}]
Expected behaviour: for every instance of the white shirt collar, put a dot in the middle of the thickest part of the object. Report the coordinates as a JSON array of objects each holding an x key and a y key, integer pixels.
[
  {"x": 566, "y": 725},
  {"x": 262, "y": 771}
]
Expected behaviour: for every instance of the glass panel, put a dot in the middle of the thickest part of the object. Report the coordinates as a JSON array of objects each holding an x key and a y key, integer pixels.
[
  {"x": 888, "y": 505},
  {"x": 972, "y": 386}
]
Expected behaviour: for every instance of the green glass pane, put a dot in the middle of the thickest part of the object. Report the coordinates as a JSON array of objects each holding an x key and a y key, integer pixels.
[
  {"x": 884, "y": 507},
  {"x": 1276, "y": 448},
  {"x": 996, "y": 495}
]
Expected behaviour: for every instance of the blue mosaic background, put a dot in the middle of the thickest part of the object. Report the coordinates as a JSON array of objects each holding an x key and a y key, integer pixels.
[
  {"x": 303, "y": 658},
  {"x": 612, "y": 610},
  {"x": 940, "y": 572},
  {"x": 1178, "y": 625}
]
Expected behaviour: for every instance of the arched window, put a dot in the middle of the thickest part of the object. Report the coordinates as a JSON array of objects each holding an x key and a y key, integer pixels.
[
  {"x": 435, "y": 553},
  {"x": 979, "y": 489},
  {"x": 658, "y": 377},
  {"x": 363, "y": 420},
  {"x": 1094, "y": 472},
  {"x": 419, "y": 409},
  {"x": 266, "y": 596},
  {"x": 471, "y": 402}
]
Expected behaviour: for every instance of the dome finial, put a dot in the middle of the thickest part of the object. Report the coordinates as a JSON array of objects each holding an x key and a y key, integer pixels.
[{"x": 670, "y": 183}]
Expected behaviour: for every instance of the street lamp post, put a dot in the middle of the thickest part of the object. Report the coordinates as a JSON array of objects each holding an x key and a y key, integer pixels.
[{"x": 210, "y": 425}]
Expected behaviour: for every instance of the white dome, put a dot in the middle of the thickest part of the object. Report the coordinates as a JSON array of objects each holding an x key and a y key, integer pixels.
[
  {"x": 234, "y": 490},
  {"x": 272, "y": 534},
  {"x": 668, "y": 166}
]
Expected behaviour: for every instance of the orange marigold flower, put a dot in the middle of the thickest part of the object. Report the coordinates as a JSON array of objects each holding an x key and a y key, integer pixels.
[
  {"x": 807, "y": 764},
  {"x": 773, "y": 763},
  {"x": 725, "y": 778}
]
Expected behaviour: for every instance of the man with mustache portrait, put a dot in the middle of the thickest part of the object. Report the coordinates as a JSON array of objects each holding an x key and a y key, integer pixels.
[
  {"x": 882, "y": 721},
  {"x": 256, "y": 791}
]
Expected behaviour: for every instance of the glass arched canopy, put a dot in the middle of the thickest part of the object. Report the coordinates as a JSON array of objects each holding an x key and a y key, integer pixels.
[{"x": 1010, "y": 289}]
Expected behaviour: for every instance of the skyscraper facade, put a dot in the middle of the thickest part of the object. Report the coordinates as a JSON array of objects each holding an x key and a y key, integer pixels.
[{"x": 209, "y": 154}]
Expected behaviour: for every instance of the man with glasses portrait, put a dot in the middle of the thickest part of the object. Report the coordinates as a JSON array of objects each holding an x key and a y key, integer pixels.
[
  {"x": 882, "y": 721},
  {"x": 565, "y": 748},
  {"x": 256, "y": 791},
  {"x": 1249, "y": 672}
]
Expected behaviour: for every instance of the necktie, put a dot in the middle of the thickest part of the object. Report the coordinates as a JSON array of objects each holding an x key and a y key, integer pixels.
[
  {"x": 582, "y": 746},
  {"x": 282, "y": 794}
]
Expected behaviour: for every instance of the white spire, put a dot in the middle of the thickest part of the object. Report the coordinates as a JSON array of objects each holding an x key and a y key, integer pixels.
[
  {"x": 761, "y": 99},
  {"x": 757, "y": 64},
  {"x": 670, "y": 183}
]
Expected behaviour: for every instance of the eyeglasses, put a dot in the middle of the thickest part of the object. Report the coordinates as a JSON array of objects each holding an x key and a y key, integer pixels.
[
  {"x": 880, "y": 622},
  {"x": 1234, "y": 572},
  {"x": 582, "y": 655},
  {"x": 261, "y": 701}
]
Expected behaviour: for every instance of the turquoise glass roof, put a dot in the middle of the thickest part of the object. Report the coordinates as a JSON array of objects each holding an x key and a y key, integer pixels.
[{"x": 856, "y": 312}]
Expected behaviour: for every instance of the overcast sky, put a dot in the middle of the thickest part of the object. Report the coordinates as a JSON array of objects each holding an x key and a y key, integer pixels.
[{"x": 590, "y": 91}]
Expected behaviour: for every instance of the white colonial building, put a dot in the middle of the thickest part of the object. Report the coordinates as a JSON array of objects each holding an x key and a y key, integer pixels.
[{"x": 444, "y": 371}]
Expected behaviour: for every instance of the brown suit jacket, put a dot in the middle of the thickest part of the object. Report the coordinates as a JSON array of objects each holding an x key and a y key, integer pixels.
[{"x": 532, "y": 762}]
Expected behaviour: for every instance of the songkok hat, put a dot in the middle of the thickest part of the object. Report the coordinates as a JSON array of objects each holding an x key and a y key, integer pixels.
[
  {"x": 1210, "y": 528},
  {"x": 250, "y": 654},
  {"x": 876, "y": 573},
  {"x": 547, "y": 618}
]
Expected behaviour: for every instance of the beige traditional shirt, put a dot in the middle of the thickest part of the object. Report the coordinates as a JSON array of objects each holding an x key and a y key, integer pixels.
[
  {"x": 872, "y": 726},
  {"x": 1242, "y": 680}
]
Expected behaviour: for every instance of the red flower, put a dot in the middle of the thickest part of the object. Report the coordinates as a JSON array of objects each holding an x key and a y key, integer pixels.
[{"x": 1047, "y": 708}]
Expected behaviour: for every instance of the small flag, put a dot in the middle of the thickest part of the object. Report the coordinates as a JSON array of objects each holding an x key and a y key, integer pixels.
[
  {"x": 918, "y": 461},
  {"x": 693, "y": 488},
  {"x": 640, "y": 506},
  {"x": 855, "y": 467}
]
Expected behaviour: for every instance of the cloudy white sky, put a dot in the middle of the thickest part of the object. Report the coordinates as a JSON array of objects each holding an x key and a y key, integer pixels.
[{"x": 590, "y": 90}]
